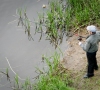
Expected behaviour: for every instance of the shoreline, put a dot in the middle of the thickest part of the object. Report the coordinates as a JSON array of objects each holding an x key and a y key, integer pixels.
[{"x": 74, "y": 57}]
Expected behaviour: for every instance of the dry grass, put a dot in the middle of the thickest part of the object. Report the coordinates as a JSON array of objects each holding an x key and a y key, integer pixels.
[{"x": 79, "y": 83}]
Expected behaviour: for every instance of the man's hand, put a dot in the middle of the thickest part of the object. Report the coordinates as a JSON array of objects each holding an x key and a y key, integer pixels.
[{"x": 80, "y": 43}]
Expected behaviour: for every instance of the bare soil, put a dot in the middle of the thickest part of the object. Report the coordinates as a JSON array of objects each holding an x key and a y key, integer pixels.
[
  {"x": 75, "y": 60},
  {"x": 74, "y": 57}
]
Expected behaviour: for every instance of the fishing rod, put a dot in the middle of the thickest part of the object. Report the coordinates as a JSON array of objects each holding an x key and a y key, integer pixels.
[{"x": 80, "y": 37}]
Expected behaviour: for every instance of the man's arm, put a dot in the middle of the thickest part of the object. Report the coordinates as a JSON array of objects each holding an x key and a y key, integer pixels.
[
  {"x": 98, "y": 33},
  {"x": 85, "y": 46}
]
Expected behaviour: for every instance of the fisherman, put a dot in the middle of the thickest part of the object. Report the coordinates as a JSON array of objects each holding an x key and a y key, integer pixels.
[{"x": 90, "y": 46}]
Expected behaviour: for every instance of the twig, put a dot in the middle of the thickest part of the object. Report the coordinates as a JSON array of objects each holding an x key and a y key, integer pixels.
[{"x": 12, "y": 69}]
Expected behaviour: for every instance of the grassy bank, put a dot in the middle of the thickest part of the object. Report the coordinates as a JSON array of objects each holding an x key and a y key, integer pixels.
[
  {"x": 60, "y": 17},
  {"x": 56, "y": 78},
  {"x": 84, "y": 12},
  {"x": 52, "y": 77}
]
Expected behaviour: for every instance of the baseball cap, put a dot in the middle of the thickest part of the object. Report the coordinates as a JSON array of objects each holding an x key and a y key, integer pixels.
[{"x": 91, "y": 28}]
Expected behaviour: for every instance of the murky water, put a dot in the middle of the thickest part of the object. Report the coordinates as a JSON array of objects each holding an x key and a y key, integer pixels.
[{"x": 23, "y": 55}]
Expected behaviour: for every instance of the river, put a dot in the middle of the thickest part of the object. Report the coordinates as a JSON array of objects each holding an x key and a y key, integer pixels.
[{"x": 22, "y": 54}]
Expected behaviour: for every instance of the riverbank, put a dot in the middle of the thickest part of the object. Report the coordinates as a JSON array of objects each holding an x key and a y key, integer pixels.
[{"x": 75, "y": 60}]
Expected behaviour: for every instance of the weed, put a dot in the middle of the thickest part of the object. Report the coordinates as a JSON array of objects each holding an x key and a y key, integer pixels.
[{"x": 61, "y": 17}]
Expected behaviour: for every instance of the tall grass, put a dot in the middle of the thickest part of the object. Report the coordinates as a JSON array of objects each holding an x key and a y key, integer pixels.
[
  {"x": 61, "y": 17},
  {"x": 56, "y": 78},
  {"x": 84, "y": 12},
  {"x": 54, "y": 83}
]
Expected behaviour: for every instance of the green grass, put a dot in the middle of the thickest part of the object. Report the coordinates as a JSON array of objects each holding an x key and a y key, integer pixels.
[
  {"x": 59, "y": 79},
  {"x": 53, "y": 83},
  {"x": 54, "y": 78},
  {"x": 60, "y": 18},
  {"x": 84, "y": 11}
]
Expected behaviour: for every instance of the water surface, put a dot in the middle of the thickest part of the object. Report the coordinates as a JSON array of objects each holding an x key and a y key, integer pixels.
[{"x": 23, "y": 55}]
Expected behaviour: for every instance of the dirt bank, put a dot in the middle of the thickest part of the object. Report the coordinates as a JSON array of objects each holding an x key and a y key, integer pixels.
[{"x": 74, "y": 57}]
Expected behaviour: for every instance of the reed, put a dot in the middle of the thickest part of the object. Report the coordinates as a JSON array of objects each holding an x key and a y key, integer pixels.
[
  {"x": 54, "y": 77},
  {"x": 61, "y": 17},
  {"x": 84, "y": 12}
]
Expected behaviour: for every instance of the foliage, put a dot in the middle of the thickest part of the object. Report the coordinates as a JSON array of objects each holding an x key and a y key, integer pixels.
[
  {"x": 53, "y": 83},
  {"x": 62, "y": 17},
  {"x": 56, "y": 78},
  {"x": 84, "y": 12}
]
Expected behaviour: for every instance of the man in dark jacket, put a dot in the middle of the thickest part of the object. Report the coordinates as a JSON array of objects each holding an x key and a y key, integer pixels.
[{"x": 91, "y": 47}]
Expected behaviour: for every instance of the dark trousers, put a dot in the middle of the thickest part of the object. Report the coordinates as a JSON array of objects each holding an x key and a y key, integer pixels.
[{"x": 92, "y": 62}]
